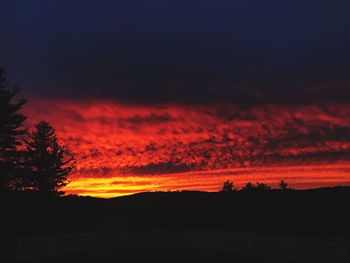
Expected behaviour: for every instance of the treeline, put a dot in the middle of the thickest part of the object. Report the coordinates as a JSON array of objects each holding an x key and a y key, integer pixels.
[
  {"x": 32, "y": 161},
  {"x": 229, "y": 187}
]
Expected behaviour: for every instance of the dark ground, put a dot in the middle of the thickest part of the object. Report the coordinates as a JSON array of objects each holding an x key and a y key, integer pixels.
[
  {"x": 316, "y": 213},
  {"x": 164, "y": 255}
]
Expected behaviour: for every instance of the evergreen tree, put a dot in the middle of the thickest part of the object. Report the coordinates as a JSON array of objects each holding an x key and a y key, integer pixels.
[
  {"x": 283, "y": 185},
  {"x": 46, "y": 160},
  {"x": 257, "y": 187},
  {"x": 10, "y": 130},
  {"x": 249, "y": 186},
  {"x": 262, "y": 187},
  {"x": 228, "y": 187}
]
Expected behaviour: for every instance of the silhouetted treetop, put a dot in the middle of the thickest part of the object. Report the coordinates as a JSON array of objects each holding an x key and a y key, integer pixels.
[
  {"x": 228, "y": 187},
  {"x": 257, "y": 187},
  {"x": 283, "y": 185},
  {"x": 248, "y": 186},
  {"x": 46, "y": 160},
  {"x": 10, "y": 129}
]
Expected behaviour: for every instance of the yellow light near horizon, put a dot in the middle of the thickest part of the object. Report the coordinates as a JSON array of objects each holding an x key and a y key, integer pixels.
[{"x": 303, "y": 176}]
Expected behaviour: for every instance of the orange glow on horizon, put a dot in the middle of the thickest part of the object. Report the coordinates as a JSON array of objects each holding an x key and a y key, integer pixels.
[{"x": 298, "y": 177}]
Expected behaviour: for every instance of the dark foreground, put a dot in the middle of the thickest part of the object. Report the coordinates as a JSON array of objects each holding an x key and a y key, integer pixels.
[
  {"x": 320, "y": 213},
  {"x": 152, "y": 255}
]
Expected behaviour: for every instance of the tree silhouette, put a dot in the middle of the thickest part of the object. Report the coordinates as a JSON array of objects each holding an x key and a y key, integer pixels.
[
  {"x": 228, "y": 187},
  {"x": 262, "y": 187},
  {"x": 283, "y": 185},
  {"x": 257, "y": 187},
  {"x": 249, "y": 186},
  {"x": 10, "y": 129},
  {"x": 46, "y": 161}
]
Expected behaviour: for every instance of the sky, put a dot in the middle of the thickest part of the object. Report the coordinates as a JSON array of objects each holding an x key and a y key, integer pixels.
[{"x": 182, "y": 95}]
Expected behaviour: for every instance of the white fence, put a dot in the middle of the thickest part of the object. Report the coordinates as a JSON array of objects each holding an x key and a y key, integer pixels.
[{"x": 269, "y": 246}]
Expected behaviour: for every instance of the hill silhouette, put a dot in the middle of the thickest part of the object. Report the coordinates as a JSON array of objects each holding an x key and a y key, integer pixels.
[{"x": 316, "y": 212}]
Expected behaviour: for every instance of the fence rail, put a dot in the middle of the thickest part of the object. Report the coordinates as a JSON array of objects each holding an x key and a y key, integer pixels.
[{"x": 269, "y": 246}]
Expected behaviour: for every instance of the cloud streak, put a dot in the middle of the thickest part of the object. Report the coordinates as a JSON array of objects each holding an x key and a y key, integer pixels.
[
  {"x": 300, "y": 176},
  {"x": 112, "y": 139}
]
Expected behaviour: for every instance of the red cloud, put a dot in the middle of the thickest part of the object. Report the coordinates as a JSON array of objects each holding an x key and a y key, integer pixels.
[{"x": 111, "y": 139}]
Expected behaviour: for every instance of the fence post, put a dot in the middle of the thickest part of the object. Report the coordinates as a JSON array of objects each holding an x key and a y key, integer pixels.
[
  {"x": 248, "y": 241},
  {"x": 217, "y": 239},
  {"x": 89, "y": 240},
  {"x": 287, "y": 247},
  {"x": 340, "y": 247},
  {"x": 19, "y": 248},
  {"x": 157, "y": 238},
  {"x": 54, "y": 244},
  {"x": 190, "y": 237}
]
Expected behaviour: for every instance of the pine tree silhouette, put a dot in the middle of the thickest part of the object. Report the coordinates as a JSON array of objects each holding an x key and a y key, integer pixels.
[
  {"x": 257, "y": 187},
  {"x": 10, "y": 129},
  {"x": 283, "y": 185},
  {"x": 46, "y": 161},
  {"x": 228, "y": 187}
]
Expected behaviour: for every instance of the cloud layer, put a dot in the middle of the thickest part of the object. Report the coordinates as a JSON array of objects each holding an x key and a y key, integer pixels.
[
  {"x": 159, "y": 89},
  {"x": 111, "y": 139}
]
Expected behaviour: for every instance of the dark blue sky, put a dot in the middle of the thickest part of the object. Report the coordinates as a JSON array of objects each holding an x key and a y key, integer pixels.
[{"x": 181, "y": 51}]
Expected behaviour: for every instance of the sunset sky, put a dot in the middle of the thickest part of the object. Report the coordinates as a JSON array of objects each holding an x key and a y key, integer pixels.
[{"x": 183, "y": 95}]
